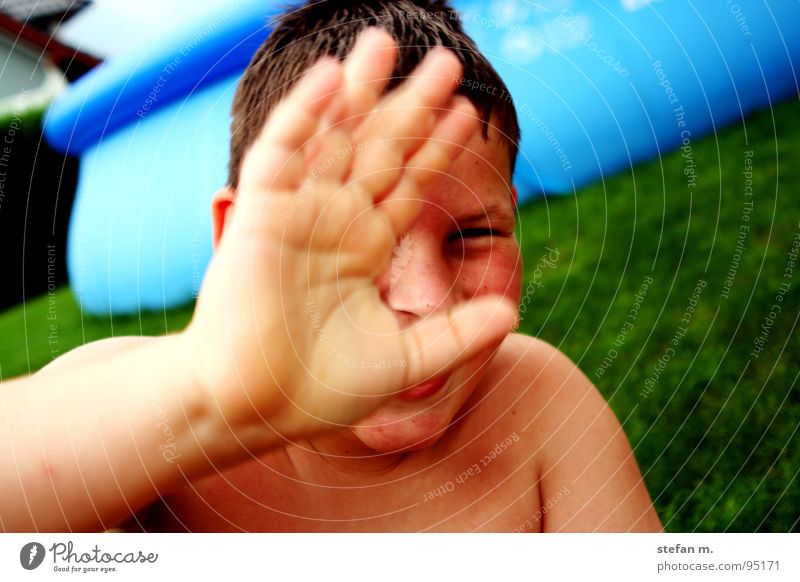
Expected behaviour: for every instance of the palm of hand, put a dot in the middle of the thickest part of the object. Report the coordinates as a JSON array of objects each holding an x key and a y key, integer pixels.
[{"x": 290, "y": 328}]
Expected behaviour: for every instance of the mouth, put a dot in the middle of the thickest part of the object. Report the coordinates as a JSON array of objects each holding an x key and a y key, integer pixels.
[{"x": 423, "y": 389}]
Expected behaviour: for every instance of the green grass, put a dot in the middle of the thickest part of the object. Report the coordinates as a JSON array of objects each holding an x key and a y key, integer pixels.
[
  {"x": 34, "y": 333},
  {"x": 716, "y": 436},
  {"x": 29, "y": 120}
]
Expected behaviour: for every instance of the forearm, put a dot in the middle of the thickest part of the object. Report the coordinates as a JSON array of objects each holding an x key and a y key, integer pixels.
[{"x": 86, "y": 447}]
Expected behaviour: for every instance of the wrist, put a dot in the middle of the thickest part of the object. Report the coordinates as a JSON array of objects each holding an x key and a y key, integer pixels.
[{"x": 223, "y": 421}]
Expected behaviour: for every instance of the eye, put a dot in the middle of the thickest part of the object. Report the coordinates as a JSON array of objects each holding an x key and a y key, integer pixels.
[
  {"x": 473, "y": 240},
  {"x": 474, "y": 233}
]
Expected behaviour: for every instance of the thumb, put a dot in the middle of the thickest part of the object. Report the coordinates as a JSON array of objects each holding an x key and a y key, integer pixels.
[{"x": 444, "y": 341}]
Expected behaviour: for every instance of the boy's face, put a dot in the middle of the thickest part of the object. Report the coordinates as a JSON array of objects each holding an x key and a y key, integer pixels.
[{"x": 462, "y": 245}]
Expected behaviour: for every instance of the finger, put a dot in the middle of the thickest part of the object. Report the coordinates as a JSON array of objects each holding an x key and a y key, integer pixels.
[
  {"x": 409, "y": 115},
  {"x": 331, "y": 158},
  {"x": 367, "y": 71},
  {"x": 453, "y": 132},
  {"x": 455, "y": 128},
  {"x": 275, "y": 160},
  {"x": 442, "y": 342}
]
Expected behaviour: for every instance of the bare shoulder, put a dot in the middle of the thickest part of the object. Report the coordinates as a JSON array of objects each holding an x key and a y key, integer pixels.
[
  {"x": 552, "y": 386},
  {"x": 540, "y": 376},
  {"x": 589, "y": 477},
  {"x": 522, "y": 355},
  {"x": 94, "y": 351}
]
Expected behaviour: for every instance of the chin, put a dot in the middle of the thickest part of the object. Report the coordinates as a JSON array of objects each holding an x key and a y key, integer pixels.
[
  {"x": 388, "y": 431},
  {"x": 404, "y": 426}
]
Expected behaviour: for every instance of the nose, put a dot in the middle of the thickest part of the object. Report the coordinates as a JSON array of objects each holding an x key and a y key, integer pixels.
[{"x": 418, "y": 281}]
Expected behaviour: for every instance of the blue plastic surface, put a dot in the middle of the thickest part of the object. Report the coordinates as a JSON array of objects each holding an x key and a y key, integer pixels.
[
  {"x": 597, "y": 86},
  {"x": 127, "y": 90},
  {"x": 591, "y": 80},
  {"x": 140, "y": 231}
]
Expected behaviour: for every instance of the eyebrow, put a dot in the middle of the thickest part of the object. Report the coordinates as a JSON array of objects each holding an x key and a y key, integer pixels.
[{"x": 494, "y": 212}]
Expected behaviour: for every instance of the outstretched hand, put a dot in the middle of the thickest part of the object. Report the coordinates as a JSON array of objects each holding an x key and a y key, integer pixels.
[{"x": 290, "y": 329}]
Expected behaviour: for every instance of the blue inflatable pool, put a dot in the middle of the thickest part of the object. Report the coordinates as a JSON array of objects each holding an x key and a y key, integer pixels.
[{"x": 597, "y": 86}]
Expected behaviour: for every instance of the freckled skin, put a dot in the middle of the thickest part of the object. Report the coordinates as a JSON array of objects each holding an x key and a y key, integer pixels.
[{"x": 445, "y": 270}]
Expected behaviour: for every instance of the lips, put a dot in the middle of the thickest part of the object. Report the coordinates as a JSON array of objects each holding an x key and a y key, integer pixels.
[{"x": 423, "y": 389}]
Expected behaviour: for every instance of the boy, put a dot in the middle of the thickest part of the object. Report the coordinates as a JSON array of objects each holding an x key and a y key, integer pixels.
[{"x": 349, "y": 366}]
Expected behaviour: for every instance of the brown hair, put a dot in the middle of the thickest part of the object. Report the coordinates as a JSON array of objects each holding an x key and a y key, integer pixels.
[{"x": 329, "y": 27}]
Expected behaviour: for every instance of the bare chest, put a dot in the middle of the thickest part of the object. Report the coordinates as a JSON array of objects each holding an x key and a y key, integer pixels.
[{"x": 494, "y": 490}]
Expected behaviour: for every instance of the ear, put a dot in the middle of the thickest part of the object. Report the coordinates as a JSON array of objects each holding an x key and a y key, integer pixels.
[{"x": 221, "y": 206}]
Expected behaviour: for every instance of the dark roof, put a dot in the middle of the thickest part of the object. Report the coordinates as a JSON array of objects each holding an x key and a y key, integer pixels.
[
  {"x": 25, "y": 10},
  {"x": 72, "y": 61}
]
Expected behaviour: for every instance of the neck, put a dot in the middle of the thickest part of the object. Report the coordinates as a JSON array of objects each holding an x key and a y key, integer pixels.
[{"x": 345, "y": 456}]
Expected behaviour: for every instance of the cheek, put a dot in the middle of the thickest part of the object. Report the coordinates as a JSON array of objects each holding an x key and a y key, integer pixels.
[{"x": 495, "y": 273}]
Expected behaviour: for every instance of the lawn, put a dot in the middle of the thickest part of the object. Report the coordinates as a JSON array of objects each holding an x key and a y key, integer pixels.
[{"x": 663, "y": 293}]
